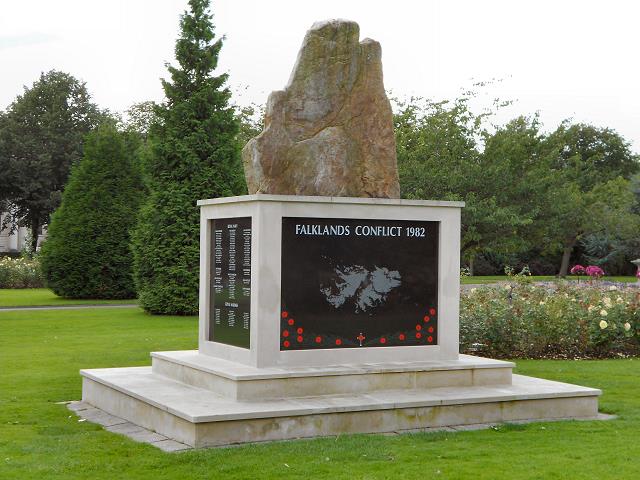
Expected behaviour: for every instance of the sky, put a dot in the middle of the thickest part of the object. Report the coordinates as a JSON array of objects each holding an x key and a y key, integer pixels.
[{"x": 563, "y": 59}]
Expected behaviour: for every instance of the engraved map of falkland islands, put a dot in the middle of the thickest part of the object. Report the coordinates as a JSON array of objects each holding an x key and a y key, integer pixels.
[{"x": 359, "y": 287}]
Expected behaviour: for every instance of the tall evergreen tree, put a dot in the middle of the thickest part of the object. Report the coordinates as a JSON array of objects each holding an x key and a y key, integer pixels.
[
  {"x": 87, "y": 251},
  {"x": 194, "y": 154}
]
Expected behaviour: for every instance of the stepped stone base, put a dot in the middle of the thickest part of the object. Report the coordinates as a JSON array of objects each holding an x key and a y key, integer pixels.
[{"x": 203, "y": 401}]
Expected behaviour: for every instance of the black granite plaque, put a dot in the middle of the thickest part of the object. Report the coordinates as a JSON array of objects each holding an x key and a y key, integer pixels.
[
  {"x": 230, "y": 288},
  {"x": 358, "y": 283}
]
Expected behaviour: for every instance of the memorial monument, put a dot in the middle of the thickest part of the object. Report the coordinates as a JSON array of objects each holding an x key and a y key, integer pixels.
[{"x": 327, "y": 304}]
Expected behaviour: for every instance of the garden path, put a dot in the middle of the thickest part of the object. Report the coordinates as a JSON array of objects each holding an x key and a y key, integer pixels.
[{"x": 68, "y": 307}]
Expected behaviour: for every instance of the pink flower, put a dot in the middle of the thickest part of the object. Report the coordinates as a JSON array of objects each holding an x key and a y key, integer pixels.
[
  {"x": 594, "y": 271},
  {"x": 577, "y": 270},
  {"x": 638, "y": 273}
]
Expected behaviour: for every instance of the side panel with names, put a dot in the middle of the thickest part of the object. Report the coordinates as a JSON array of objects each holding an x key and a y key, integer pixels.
[{"x": 230, "y": 284}]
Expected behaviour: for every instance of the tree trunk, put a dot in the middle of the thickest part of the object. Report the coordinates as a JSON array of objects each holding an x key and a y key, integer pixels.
[
  {"x": 566, "y": 256},
  {"x": 471, "y": 259},
  {"x": 35, "y": 227}
]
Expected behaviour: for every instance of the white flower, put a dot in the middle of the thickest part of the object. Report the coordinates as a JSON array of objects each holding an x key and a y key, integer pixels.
[
  {"x": 603, "y": 313},
  {"x": 507, "y": 287},
  {"x": 607, "y": 302},
  {"x": 541, "y": 302},
  {"x": 591, "y": 308},
  {"x": 627, "y": 326},
  {"x": 473, "y": 290},
  {"x": 619, "y": 300},
  {"x": 603, "y": 324},
  {"x": 613, "y": 288}
]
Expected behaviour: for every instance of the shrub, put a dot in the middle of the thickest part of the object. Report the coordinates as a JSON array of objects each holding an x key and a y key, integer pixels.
[
  {"x": 564, "y": 321},
  {"x": 86, "y": 254},
  {"x": 20, "y": 273}
]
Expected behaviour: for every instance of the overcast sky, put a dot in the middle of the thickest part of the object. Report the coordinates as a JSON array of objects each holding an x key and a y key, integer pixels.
[{"x": 575, "y": 59}]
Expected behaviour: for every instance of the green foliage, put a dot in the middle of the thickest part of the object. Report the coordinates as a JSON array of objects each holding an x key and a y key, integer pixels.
[
  {"x": 439, "y": 157},
  {"x": 87, "y": 254},
  {"x": 576, "y": 215},
  {"x": 592, "y": 194},
  {"x": 194, "y": 154},
  {"x": 521, "y": 320},
  {"x": 41, "y": 136},
  {"x": 139, "y": 118},
  {"x": 526, "y": 193},
  {"x": 20, "y": 273},
  {"x": 591, "y": 155},
  {"x": 251, "y": 121},
  {"x": 610, "y": 253}
]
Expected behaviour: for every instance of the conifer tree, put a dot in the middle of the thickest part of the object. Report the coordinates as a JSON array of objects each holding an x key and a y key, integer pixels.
[
  {"x": 194, "y": 154},
  {"x": 87, "y": 251}
]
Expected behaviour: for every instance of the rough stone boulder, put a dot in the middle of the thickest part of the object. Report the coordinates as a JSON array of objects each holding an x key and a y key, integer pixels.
[{"x": 330, "y": 131}]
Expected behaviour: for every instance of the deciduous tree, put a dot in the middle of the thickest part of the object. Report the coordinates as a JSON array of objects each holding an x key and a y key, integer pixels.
[
  {"x": 593, "y": 193},
  {"x": 41, "y": 136},
  {"x": 440, "y": 157}
]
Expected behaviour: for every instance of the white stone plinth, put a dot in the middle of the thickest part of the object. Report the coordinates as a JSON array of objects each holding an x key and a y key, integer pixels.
[{"x": 266, "y": 212}]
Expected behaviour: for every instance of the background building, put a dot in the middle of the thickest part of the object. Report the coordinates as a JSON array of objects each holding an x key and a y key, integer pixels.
[{"x": 16, "y": 241}]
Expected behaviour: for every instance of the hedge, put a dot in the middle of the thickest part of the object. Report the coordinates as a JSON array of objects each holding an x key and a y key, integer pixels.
[{"x": 87, "y": 252}]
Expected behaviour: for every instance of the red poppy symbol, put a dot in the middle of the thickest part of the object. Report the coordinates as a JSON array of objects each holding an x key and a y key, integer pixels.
[
  {"x": 286, "y": 344},
  {"x": 285, "y": 314}
]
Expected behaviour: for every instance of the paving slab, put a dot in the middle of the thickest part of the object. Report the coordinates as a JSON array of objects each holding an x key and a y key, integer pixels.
[
  {"x": 146, "y": 436},
  {"x": 121, "y": 426},
  {"x": 171, "y": 446},
  {"x": 76, "y": 406},
  {"x": 125, "y": 428}
]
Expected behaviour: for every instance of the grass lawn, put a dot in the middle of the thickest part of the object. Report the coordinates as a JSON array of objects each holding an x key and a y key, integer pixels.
[
  {"x": 536, "y": 278},
  {"x": 41, "y": 352},
  {"x": 31, "y": 297}
]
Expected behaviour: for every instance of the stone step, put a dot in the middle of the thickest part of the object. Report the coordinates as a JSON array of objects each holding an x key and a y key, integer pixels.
[
  {"x": 199, "y": 417},
  {"x": 243, "y": 382}
]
